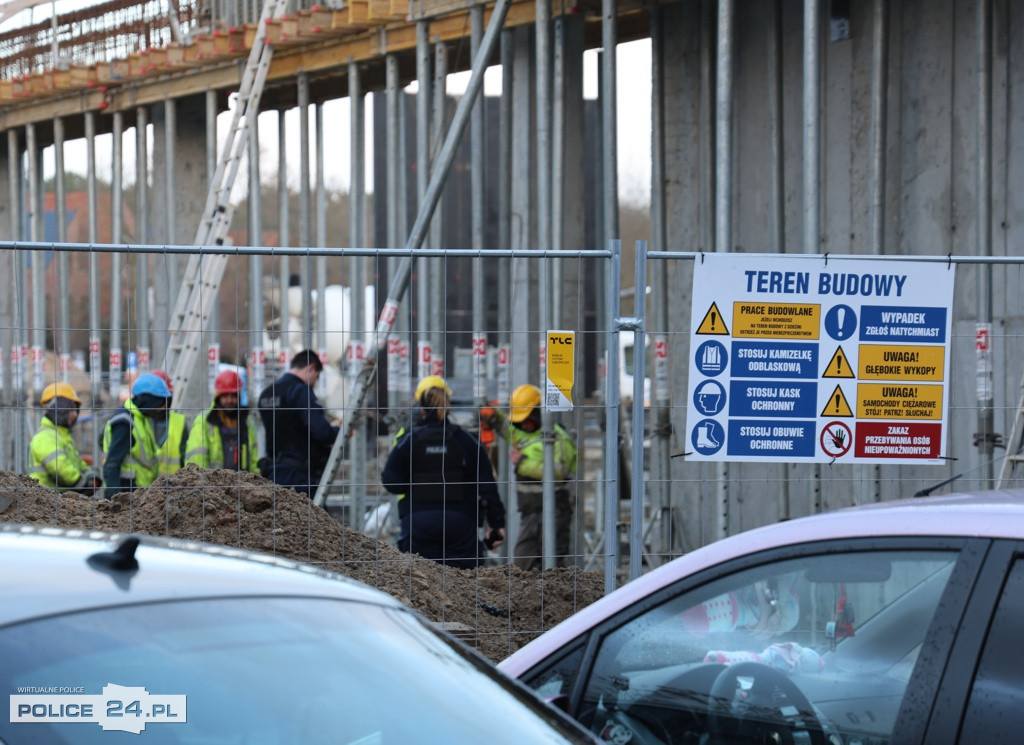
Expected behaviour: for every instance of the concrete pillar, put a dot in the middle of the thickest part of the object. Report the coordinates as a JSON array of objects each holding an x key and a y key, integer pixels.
[
  {"x": 687, "y": 149},
  {"x": 5, "y": 207},
  {"x": 189, "y": 153},
  {"x": 573, "y": 188},
  {"x": 7, "y": 269},
  {"x": 524, "y": 348}
]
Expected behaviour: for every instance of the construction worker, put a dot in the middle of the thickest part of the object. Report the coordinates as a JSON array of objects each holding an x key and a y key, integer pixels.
[
  {"x": 56, "y": 463},
  {"x": 129, "y": 441},
  {"x": 299, "y": 437},
  {"x": 521, "y": 429},
  {"x": 430, "y": 381},
  {"x": 444, "y": 481},
  {"x": 224, "y": 436},
  {"x": 171, "y": 434}
]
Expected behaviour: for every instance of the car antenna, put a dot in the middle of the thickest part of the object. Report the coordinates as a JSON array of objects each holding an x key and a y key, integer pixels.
[
  {"x": 929, "y": 489},
  {"x": 121, "y": 559}
]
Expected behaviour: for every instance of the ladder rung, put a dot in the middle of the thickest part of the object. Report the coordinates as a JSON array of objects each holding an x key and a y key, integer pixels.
[{"x": 204, "y": 273}]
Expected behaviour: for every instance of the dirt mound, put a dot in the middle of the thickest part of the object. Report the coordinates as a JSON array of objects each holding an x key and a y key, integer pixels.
[{"x": 497, "y": 609}]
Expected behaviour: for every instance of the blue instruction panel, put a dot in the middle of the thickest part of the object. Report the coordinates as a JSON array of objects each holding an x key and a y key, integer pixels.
[
  {"x": 773, "y": 398},
  {"x": 761, "y": 359},
  {"x": 748, "y": 437},
  {"x": 819, "y": 359},
  {"x": 885, "y": 323}
]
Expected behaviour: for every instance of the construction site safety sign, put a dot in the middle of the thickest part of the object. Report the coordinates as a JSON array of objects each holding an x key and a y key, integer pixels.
[
  {"x": 819, "y": 360},
  {"x": 560, "y": 356}
]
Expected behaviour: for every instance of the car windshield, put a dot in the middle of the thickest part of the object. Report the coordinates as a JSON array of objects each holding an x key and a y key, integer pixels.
[
  {"x": 819, "y": 649},
  {"x": 264, "y": 671}
]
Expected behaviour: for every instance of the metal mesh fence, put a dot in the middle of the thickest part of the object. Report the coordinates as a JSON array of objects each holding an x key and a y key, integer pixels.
[{"x": 656, "y": 504}]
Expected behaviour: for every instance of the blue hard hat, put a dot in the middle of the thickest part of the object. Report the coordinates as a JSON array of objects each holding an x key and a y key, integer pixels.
[{"x": 152, "y": 385}]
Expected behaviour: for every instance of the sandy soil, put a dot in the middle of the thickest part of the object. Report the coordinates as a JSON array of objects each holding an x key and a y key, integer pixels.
[{"x": 496, "y": 609}]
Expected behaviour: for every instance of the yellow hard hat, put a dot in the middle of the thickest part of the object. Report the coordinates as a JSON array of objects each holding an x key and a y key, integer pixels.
[
  {"x": 525, "y": 399},
  {"x": 431, "y": 381},
  {"x": 63, "y": 390}
]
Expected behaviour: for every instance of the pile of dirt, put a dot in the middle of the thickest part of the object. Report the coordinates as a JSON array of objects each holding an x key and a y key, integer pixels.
[{"x": 496, "y": 609}]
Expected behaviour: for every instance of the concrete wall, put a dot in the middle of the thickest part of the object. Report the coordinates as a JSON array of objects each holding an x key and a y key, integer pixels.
[{"x": 930, "y": 205}]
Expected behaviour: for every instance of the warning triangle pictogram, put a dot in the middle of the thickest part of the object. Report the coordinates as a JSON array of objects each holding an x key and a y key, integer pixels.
[
  {"x": 713, "y": 323},
  {"x": 839, "y": 366},
  {"x": 837, "y": 404}
]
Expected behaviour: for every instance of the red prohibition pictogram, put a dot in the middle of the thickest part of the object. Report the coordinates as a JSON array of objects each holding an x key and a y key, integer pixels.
[{"x": 836, "y": 439}]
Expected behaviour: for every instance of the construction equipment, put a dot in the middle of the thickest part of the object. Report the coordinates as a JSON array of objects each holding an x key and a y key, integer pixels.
[
  {"x": 400, "y": 282},
  {"x": 204, "y": 272},
  {"x": 1014, "y": 443}
]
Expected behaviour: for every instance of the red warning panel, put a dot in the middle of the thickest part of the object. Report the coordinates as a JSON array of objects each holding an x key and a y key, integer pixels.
[{"x": 898, "y": 440}]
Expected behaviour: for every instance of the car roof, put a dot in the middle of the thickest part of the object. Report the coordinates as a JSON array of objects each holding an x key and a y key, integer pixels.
[
  {"x": 48, "y": 571},
  {"x": 990, "y": 514}
]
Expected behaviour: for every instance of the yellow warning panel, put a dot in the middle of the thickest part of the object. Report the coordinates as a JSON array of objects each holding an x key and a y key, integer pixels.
[
  {"x": 898, "y": 401},
  {"x": 560, "y": 367},
  {"x": 837, "y": 405},
  {"x": 899, "y": 362},
  {"x": 838, "y": 366},
  {"x": 759, "y": 320},
  {"x": 713, "y": 323}
]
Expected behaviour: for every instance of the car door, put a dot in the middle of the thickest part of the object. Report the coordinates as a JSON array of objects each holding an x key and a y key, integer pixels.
[
  {"x": 818, "y": 643},
  {"x": 981, "y": 698}
]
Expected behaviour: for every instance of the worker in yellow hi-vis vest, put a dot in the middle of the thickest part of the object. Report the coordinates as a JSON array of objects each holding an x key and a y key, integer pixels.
[
  {"x": 171, "y": 435},
  {"x": 521, "y": 429},
  {"x": 129, "y": 440},
  {"x": 225, "y": 435},
  {"x": 56, "y": 463}
]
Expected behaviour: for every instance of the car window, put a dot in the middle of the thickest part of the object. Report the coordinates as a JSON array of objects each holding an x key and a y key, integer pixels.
[
  {"x": 994, "y": 713},
  {"x": 269, "y": 671},
  {"x": 806, "y": 650},
  {"x": 557, "y": 678}
]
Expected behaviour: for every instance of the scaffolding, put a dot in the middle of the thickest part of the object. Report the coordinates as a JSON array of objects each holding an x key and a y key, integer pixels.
[{"x": 98, "y": 33}]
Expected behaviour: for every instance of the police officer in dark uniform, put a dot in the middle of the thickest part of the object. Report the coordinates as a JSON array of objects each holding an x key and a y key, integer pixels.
[
  {"x": 299, "y": 437},
  {"x": 444, "y": 481}
]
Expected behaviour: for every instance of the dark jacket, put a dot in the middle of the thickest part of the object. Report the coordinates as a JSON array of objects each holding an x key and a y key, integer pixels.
[
  {"x": 298, "y": 433},
  {"x": 420, "y": 469}
]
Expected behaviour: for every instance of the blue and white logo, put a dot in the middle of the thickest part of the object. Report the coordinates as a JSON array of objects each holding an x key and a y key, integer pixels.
[
  {"x": 840, "y": 322},
  {"x": 121, "y": 708},
  {"x": 708, "y": 437},
  {"x": 709, "y": 398},
  {"x": 712, "y": 358}
]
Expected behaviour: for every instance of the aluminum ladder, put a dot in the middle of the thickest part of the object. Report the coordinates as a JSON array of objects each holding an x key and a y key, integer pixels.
[
  {"x": 205, "y": 271},
  {"x": 1014, "y": 444}
]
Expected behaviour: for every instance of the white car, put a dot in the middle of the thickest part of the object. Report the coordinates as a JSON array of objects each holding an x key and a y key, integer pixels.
[
  {"x": 106, "y": 639},
  {"x": 890, "y": 623}
]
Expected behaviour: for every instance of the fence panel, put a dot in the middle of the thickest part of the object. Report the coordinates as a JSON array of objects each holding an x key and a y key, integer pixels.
[
  {"x": 636, "y": 501},
  {"x": 484, "y": 353}
]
